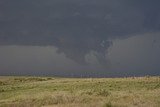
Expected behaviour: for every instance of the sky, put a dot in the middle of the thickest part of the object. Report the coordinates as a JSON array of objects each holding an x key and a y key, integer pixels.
[{"x": 80, "y": 38}]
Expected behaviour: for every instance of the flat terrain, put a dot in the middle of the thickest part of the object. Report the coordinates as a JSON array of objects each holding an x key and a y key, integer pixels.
[{"x": 77, "y": 92}]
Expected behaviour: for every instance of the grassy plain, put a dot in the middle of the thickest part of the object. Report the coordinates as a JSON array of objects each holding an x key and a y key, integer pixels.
[{"x": 79, "y": 92}]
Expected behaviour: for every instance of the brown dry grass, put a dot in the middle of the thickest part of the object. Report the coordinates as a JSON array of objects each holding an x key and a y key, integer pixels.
[{"x": 76, "y": 92}]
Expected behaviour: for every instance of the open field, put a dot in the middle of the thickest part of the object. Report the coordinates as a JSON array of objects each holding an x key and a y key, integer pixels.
[{"x": 77, "y": 92}]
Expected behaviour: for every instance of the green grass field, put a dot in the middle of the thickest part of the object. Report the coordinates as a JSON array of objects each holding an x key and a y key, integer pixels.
[{"x": 77, "y": 92}]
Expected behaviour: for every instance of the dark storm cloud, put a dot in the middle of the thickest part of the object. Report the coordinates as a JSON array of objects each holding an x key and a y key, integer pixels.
[{"x": 76, "y": 27}]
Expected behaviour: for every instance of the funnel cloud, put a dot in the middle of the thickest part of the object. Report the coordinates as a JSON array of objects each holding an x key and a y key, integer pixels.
[{"x": 80, "y": 32}]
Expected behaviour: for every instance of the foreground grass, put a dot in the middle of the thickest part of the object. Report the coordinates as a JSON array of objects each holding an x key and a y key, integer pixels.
[{"x": 74, "y": 92}]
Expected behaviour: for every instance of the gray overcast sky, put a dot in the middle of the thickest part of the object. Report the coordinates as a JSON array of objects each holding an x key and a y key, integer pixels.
[{"x": 80, "y": 37}]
